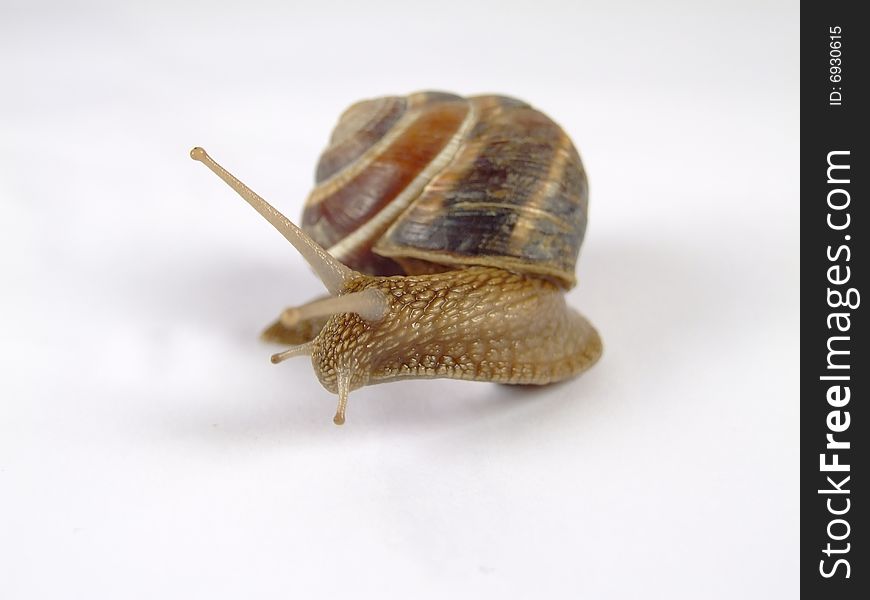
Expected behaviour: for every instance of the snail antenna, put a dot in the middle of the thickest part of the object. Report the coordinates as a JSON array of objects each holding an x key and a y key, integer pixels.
[
  {"x": 343, "y": 382},
  {"x": 330, "y": 271},
  {"x": 370, "y": 304},
  {"x": 300, "y": 350}
]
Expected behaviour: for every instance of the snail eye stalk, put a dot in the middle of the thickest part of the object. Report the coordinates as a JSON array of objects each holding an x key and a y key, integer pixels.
[
  {"x": 330, "y": 271},
  {"x": 370, "y": 304}
]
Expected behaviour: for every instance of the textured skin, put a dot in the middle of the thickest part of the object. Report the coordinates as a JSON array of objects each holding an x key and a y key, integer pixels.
[
  {"x": 454, "y": 181},
  {"x": 478, "y": 323}
]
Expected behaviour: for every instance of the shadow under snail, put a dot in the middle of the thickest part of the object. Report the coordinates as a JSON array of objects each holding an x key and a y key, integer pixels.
[{"x": 446, "y": 231}]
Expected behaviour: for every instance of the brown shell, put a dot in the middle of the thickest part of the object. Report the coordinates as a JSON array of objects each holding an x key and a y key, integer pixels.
[{"x": 434, "y": 181}]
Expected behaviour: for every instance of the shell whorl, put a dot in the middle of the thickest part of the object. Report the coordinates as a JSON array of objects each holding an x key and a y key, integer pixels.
[{"x": 434, "y": 181}]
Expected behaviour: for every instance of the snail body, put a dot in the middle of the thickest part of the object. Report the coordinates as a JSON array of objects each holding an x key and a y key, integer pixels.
[
  {"x": 446, "y": 230},
  {"x": 478, "y": 323}
]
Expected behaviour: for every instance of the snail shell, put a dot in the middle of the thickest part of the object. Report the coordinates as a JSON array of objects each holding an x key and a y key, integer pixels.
[{"x": 434, "y": 180}]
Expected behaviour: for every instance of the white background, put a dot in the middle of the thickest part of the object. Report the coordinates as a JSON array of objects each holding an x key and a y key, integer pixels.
[{"x": 149, "y": 450}]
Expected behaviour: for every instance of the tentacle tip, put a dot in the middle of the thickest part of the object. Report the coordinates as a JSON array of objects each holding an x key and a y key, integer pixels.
[
  {"x": 198, "y": 154},
  {"x": 290, "y": 317},
  {"x": 275, "y": 358},
  {"x": 338, "y": 419}
]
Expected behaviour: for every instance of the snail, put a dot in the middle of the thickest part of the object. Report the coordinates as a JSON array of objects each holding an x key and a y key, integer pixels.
[{"x": 446, "y": 230}]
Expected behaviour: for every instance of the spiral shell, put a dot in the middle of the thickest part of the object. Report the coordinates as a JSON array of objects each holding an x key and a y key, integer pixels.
[{"x": 435, "y": 181}]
